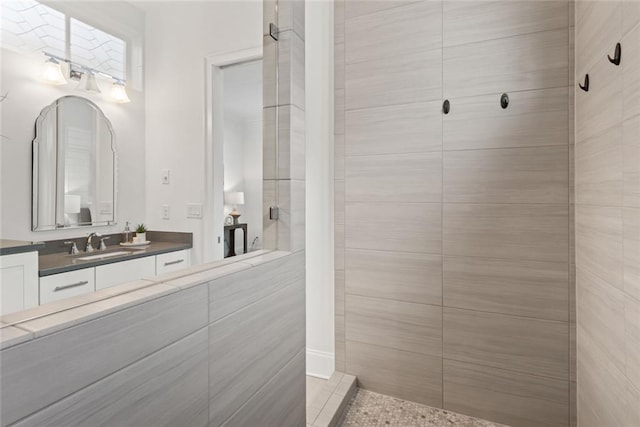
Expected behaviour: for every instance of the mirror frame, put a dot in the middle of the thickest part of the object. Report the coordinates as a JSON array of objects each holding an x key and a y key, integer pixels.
[{"x": 35, "y": 172}]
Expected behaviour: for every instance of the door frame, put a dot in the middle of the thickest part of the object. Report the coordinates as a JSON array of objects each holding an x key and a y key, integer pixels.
[{"x": 213, "y": 209}]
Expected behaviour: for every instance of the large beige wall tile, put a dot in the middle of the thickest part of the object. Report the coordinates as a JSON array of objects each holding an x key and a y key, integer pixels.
[
  {"x": 631, "y": 251},
  {"x": 632, "y": 340},
  {"x": 231, "y": 293},
  {"x": 531, "y": 61},
  {"x": 339, "y": 292},
  {"x": 402, "y": 276},
  {"x": 269, "y": 226},
  {"x": 630, "y": 71},
  {"x": 599, "y": 242},
  {"x": 281, "y": 402},
  {"x": 291, "y": 225},
  {"x": 511, "y": 175},
  {"x": 339, "y": 224},
  {"x": 631, "y": 162},
  {"x": 526, "y": 232},
  {"x": 291, "y": 142},
  {"x": 408, "y": 227},
  {"x": 394, "y": 80},
  {"x": 599, "y": 171},
  {"x": 473, "y": 21},
  {"x": 354, "y": 8},
  {"x": 413, "y": 177},
  {"x": 602, "y": 388},
  {"x": 408, "y": 128},
  {"x": 411, "y": 376},
  {"x": 250, "y": 346},
  {"x": 600, "y": 108},
  {"x": 395, "y": 324},
  {"x": 338, "y": 156},
  {"x": 341, "y": 354},
  {"x": 291, "y": 61},
  {"x": 338, "y": 21},
  {"x": 338, "y": 64},
  {"x": 506, "y": 397},
  {"x": 533, "y": 118},
  {"x": 536, "y": 347},
  {"x": 630, "y": 16},
  {"x": 399, "y": 31},
  {"x": 172, "y": 383},
  {"x": 79, "y": 356},
  {"x": 573, "y": 404},
  {"x": 601, "y": 314},
  {"x": 598, "y": 29},
  {"x": 522, "y": 288},
  {"x": 632, "y": 417},
  {"x": 338, "y": 111}
]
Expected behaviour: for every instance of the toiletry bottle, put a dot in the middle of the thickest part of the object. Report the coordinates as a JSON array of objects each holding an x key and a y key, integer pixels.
[{"x": 126, "y": 235}]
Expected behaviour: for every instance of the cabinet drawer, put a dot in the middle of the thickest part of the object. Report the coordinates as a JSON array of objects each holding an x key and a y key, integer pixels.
[
  {"x": 65, "y": 285},
  {"x": 173, "y": 261},
  {"x": 125, "y": 271}
]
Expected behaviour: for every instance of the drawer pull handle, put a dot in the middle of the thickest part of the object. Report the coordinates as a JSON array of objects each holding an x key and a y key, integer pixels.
[
  {"x": 73, "y": 285},
  {"x": 173, "y": 262}
]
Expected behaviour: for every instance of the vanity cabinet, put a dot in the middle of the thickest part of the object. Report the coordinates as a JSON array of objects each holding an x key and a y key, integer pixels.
[
  {"x": 172, "y": 261},
  {"x": 18, "y": 282},
  {"x": 125, "y": 271},
  {"x": 66, "y": 285},
  {"x": 78, "y": 282}
]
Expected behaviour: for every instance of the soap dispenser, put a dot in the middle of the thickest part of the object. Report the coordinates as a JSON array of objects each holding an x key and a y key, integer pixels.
[{"x": 126, "y": 234}]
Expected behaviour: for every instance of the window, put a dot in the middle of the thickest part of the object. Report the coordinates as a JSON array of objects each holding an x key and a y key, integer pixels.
[{"x": 29, "y": 26}]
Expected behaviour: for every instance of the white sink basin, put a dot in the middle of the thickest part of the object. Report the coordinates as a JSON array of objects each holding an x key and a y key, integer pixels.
[{"x": 101, "y": 256}]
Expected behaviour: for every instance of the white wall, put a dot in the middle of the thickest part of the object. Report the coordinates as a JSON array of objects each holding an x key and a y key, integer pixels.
[
  {"x": 27, "y": 96},
  {"x": 319, "y": 188},
  {"x": 179, "y": 36}
]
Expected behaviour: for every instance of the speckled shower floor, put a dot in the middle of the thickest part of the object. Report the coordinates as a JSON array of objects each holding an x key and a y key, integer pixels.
[{"x": 368, "y": 409}]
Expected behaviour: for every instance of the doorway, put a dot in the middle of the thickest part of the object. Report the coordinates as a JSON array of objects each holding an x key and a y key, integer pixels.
[{"x": 234, "y": 214}]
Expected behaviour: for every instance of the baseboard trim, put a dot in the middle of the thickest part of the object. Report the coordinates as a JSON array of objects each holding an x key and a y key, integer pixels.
[{"x": 320, "y": 363}]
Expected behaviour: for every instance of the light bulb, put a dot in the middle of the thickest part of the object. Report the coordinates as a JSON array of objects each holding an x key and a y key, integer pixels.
[
  {"x": 88, "y": 82},
  {"x": 52, "y": 72},
  {"x": 118, "y": 93}
]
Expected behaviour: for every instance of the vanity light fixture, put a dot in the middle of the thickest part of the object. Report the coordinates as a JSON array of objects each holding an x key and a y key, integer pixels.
[
  {"x": 118, "y": 92},
  {"x": 88, "y": 82},
  {"x": 52, "y": 72}
]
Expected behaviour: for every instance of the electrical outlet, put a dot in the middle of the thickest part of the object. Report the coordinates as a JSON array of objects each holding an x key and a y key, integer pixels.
[
  {"x": 165, "y": 212},
  {"x": 194, "y": 210},
  {"x": 165, "y": 176}
]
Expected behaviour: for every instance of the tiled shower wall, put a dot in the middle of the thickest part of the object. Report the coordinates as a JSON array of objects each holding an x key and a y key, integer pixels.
[
  {"x": 453, "y": 256},
  {"x": 608, "y": 214}
]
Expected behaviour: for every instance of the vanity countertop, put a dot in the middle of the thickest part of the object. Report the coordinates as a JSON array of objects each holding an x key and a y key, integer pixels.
[
  {"x": 61, "y": 262},
  {"x": 9, "y": 247}
]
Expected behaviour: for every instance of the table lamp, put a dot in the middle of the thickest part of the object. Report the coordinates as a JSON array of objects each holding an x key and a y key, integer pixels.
[{"x": 234, "y": 199}]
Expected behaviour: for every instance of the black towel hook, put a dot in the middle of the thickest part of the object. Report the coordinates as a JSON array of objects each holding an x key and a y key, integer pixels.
[
  {"x": 586, "y": 83},
  {"x": 617, "y": 55},
  {"x": 504, "y": 101},
  {"x": 446, "y": 106}
]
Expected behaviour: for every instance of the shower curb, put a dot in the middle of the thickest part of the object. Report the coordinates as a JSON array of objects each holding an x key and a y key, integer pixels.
[{"x": 329, "y": 407}]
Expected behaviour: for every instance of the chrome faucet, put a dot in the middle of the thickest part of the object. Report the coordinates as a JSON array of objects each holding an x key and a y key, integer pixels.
[{"x": 87, "y": 246}]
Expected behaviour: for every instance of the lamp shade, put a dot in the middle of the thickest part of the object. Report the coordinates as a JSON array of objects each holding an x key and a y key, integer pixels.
[
  {"x": 234, "y": 198},
  {"x": 88, "y": 82},
  {"x": 119, "y": 93},
  {"x": 52, "y": 72}
]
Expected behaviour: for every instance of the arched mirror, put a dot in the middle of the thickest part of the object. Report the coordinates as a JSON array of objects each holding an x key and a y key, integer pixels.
[{"x": 74, "y": 166}]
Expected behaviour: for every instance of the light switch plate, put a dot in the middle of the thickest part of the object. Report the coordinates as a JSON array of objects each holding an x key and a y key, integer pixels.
[
  {"x": 165, "y": 176},
  {"x": 166, "y": 214},
  {"x": 194, "y": 210}
]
